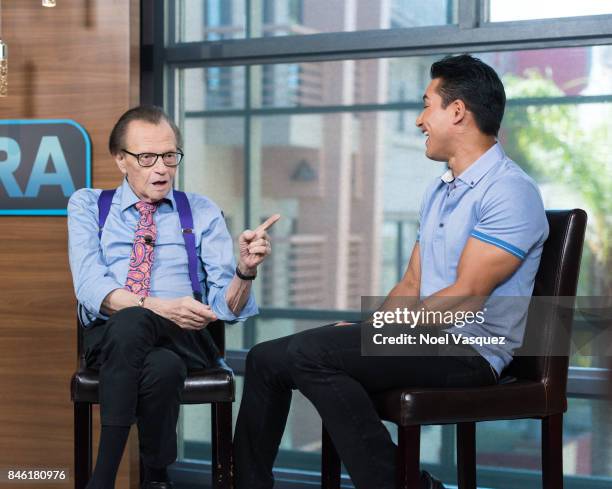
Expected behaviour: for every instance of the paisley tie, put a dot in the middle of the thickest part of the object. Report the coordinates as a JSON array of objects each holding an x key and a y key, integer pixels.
[{"x": 141, "y": 260}]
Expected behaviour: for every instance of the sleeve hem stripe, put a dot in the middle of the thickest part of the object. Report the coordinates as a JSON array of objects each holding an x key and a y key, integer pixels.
[{"x": 500, "y": 244}]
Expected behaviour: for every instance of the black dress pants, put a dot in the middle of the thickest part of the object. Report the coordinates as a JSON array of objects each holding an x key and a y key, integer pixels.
[
  {"x": 143, "y": 359},
  {"x": 326, "y": 365}
]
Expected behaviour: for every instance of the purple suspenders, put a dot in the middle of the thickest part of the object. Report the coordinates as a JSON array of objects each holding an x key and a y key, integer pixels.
[
  {"x": 186, "y": 218},
  {"x": 104, "y": 203}
]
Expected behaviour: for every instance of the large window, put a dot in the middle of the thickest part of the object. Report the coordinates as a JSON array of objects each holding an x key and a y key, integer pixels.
[{"x": 320, "y": 128}]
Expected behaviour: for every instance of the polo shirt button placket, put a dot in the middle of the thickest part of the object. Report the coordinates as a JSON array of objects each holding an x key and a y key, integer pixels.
[{"x": 449, "y": 193}]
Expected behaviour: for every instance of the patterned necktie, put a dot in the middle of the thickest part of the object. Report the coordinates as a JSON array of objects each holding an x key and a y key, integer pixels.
[{"x": 141, "y": 260}]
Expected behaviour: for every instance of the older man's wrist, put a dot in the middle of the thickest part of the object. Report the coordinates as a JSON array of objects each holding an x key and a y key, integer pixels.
[
  {"x": 154, "y": 304},
  {"x": 246, "y": 273}
]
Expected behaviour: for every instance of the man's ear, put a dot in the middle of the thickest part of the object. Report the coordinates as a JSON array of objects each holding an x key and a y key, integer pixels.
[
  {"x": 121, "y": 162},
  {"x": 458, "y": 111}
]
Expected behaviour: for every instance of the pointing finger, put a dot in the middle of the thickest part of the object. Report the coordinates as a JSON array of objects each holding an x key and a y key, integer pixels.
[{"x": 267, "y": 224}]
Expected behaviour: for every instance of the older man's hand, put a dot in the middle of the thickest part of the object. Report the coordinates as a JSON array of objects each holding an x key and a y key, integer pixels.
[
  {"x": 255, "y": 246},
  {"x": 184, "y": 311}
]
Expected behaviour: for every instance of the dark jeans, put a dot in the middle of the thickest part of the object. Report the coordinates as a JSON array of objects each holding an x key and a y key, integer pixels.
[
  {"x": 143, "y": 360},
  {"x": 326, "y": 365}
]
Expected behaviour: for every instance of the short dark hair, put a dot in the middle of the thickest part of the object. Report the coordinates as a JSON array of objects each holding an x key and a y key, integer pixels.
[
  {"x": 146, "y": 113},
  {"x": 467, "y": 78}
]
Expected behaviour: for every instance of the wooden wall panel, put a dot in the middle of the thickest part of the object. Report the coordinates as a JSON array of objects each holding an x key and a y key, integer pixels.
[{"x": 79, "y": 61}]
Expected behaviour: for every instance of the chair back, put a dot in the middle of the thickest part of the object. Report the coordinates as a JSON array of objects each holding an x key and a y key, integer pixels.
[{"x": 557, "y": 277}]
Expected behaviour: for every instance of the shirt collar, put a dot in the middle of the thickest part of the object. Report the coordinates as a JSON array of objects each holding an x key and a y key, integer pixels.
[
  {"x": 447, "y": 176},
  {"x": 129, "y": 198},
  {"x": 472, "y": 175}
]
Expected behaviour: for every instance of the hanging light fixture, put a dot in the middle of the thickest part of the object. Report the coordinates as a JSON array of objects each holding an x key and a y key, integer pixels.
[
  {"x": 3, "y": 69},
  {"x": 48, "y": 3},
  {"x": 3, "y": 62}
]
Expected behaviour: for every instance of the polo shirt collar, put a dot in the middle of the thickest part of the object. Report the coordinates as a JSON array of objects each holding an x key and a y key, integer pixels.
[
  {"x": 129, "y": 198},
  {"x": 474, "y": 173}
]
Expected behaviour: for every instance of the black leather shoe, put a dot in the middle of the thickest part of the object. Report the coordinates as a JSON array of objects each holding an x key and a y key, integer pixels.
[
  {"x": 429, "y": 481},
  {"x": 157, "y": 485}
]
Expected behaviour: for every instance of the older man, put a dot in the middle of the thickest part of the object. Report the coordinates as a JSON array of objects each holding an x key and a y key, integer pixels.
[{"x": 144, "y": 324}]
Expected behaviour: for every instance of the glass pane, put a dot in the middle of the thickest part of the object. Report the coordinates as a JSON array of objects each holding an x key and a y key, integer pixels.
[
  {"x": 516, "y": 444},
  {"x": 210, "y": 89},
  {"x": 213, "y": 20},
  {"x": 350, "y": 82},
  {"x": 214, "y": 164},
  {"x": 561, "y": 72},
  {"x": 505, "y": 10},
  {"x": 300, "y": 17},
  {"x": 403, "y": 80},
  {"x": 213, "y": 146},
  {"x": 206, "y": 20}
]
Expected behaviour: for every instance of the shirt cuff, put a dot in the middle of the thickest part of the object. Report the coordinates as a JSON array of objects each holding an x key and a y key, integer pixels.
[
  {"x": 500, "y": 243},
  {"x": 220, "y": 308},
  {"x": 96, "y": 295}
]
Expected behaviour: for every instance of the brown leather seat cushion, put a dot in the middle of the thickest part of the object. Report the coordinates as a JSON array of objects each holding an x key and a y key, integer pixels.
[
  {"x": 421, "y": 406},
  {"x": 214, "y": 384}
]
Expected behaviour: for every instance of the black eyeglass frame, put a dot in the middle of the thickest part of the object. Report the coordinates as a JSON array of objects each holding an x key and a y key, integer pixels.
[{"x": 179, "y": 153}]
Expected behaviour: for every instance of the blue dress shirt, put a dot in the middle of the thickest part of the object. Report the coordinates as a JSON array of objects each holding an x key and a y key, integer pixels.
[
  {"x": 494, "y": 201},
  {"x": 100, "y": 265}
]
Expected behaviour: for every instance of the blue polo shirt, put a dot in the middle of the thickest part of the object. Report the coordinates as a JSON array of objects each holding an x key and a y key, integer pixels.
[{"x": 494, "y": 201}]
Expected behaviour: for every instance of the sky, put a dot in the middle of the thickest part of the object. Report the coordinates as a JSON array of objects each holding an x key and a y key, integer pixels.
[{"x": 505, "y": 10}]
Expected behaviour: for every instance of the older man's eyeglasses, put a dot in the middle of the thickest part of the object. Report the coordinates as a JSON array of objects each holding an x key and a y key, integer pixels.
[{"x": 171, "y": 158}]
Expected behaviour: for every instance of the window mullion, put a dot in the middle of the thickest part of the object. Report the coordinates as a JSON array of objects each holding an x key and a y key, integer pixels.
[{"x": 469, "y": 13}]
